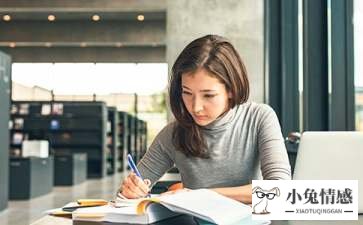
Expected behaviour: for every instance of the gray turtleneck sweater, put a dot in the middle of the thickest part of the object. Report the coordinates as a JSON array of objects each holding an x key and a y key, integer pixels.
[{"x": 244, "y": 144}]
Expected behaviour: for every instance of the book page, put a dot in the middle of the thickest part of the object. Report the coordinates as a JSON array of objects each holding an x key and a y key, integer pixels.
[
  {"x": 106, "y": 209},
  {"x": 208, "y": 205},
  {"x": 125, "y": 214},
  {"x": 120, "y": 202}
]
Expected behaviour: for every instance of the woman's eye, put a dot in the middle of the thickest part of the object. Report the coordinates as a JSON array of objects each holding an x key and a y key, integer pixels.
[{"x": 209, "y": 96}]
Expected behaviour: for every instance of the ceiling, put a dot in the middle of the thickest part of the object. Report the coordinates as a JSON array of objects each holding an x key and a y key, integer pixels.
[
  {"x": 73, "y": 30},
  {"x": 83, "y": 15}
]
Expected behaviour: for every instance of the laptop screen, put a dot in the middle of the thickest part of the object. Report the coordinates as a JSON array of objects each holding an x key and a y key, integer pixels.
[{"x": 331, "y": 156}]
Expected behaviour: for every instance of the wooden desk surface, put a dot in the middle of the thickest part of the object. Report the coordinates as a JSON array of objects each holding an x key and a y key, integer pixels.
[{"x": 52, "y": 220}]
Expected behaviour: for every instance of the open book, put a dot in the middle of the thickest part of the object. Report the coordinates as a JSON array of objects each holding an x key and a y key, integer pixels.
[{"x": 202, "y": 203}]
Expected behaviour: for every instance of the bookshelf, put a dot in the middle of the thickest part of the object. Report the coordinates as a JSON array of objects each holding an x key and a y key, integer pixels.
[
  {"x": 5, "y": 93},
  {"x": 140, "y": 138},
  {"x": 70, "y": 127},
  {"x": 123, "y": 138},
  {"x": 133, "y": 138},
  {"x": 113, "y": 143}
]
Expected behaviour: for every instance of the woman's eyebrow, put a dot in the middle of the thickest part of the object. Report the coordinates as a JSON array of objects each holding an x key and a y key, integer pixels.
[
  {"x": 208, "y": 90},
  {"x": 204, "y": 90},
  {"x": 186, "y": 87}
]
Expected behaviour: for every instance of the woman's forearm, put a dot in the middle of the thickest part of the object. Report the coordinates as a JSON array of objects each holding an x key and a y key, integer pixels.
[{"x": 240, "y": 193}]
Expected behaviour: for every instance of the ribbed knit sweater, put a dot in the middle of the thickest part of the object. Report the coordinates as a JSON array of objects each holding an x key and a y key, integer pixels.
[{"x": 244, "y": 144}]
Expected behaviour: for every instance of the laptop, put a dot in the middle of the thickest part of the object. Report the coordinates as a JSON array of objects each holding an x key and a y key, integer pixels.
[{"x": 331, "y": 156}]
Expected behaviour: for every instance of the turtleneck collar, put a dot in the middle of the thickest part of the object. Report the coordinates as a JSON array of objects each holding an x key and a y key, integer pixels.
[{"x": 221, "y": 122}]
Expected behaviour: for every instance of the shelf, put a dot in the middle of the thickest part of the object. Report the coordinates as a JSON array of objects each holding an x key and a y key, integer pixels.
[
  {"x": 79, "y": 126},
  {"x": 60, "y": 130}
]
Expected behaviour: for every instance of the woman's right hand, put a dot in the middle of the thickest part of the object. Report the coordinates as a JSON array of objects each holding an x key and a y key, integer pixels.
[{"x": 134, "y": 187}]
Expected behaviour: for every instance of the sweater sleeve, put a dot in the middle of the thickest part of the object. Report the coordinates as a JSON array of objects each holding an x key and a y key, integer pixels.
[
  {"x": 158, "y": 158},
  {"x": 272, "y": 151}
]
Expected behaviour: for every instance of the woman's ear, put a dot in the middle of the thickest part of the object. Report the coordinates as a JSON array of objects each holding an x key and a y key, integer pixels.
[{"x": 229, "y": 94}]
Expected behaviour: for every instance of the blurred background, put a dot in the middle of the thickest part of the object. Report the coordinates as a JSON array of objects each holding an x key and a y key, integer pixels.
[{"x": 83, "y": 83}]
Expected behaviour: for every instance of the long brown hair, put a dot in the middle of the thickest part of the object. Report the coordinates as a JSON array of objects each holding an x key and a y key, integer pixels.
[{"x": 216, "y": 55}]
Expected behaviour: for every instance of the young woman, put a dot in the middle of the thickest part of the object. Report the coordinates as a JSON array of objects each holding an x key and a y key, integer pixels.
[{"x": 219, "y": 139}]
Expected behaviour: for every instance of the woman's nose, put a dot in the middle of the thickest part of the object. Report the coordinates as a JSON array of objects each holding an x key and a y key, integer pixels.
[{"x": 197, "y": 105}]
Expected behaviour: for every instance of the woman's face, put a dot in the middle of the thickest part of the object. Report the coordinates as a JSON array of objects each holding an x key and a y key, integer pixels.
[{"x": 204, "y": 96}]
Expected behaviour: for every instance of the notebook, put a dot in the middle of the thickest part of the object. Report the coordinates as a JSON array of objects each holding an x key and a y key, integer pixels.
[
  {"x": 66, "y": 211},
  {"x": 202, "y": 203},
  {"x": 331, "y": 156}
]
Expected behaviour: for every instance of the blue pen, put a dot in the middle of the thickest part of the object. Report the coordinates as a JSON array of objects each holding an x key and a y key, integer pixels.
[{"x": 133, "y": 166}]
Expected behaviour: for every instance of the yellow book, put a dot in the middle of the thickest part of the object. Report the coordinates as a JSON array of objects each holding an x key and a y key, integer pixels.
[
  {"x": 91, "y": 202},
  {"x": 202, "y": 203},
  {"x": 61, "y": 213},
  {"x": 83, "y": 203},
  {"x": 66, "y": 211}
]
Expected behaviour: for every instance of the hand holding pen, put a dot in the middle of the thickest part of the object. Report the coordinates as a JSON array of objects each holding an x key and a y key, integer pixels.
[{"x": 134, "y": 186}]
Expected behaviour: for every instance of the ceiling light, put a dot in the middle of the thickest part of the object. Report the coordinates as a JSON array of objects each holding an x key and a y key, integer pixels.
[
  {"x": 118, "y": 44},
  {"x": 51, "y": 17},
  {"x": 96, "y": 17},
  {"x": 83, "y": 44},
  {"x": 12, "y": 44},
  {"x": 48, "y": 44},
  {"x": 140, "y": 17},
  {"x": 6, "y": 17}
]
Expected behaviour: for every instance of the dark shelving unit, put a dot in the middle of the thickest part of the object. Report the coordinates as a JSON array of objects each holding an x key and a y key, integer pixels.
[
  {"x": 5, "y": 93},
  {"x": 123, "y": 138},
  {"x": 143, "y": 137},
  {"x": 131, "y": 136},
  {"x": 112, "y": 153},
  {"x": 70, "y": 127},
  {"x": 70, "y": 169},
  {"x": 140, "y": 138},
  {"x": 30, "y": 177}
]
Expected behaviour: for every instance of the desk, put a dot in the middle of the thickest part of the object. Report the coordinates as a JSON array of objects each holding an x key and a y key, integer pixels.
[
  {"x": 51, "y": 220},
  {"x": 188, "y": 220}
]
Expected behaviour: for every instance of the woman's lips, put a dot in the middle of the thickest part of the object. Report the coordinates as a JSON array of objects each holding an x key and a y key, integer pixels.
[{"x": 200, "y": 117}]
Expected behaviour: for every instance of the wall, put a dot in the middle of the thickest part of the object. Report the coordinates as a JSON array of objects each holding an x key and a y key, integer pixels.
[
  {"x": 25, "y": 93},
  {"x": 123, "y": 102},
  {"x": 241, "y": 21}
]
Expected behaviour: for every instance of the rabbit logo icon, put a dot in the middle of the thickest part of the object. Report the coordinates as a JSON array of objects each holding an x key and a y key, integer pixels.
[{"x": 265, "y": 196}]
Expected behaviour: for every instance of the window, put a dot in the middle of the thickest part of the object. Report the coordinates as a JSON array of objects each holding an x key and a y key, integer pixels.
[
  {"x": 93, "y": 78},
  {"x": 113, "y": 83}
]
